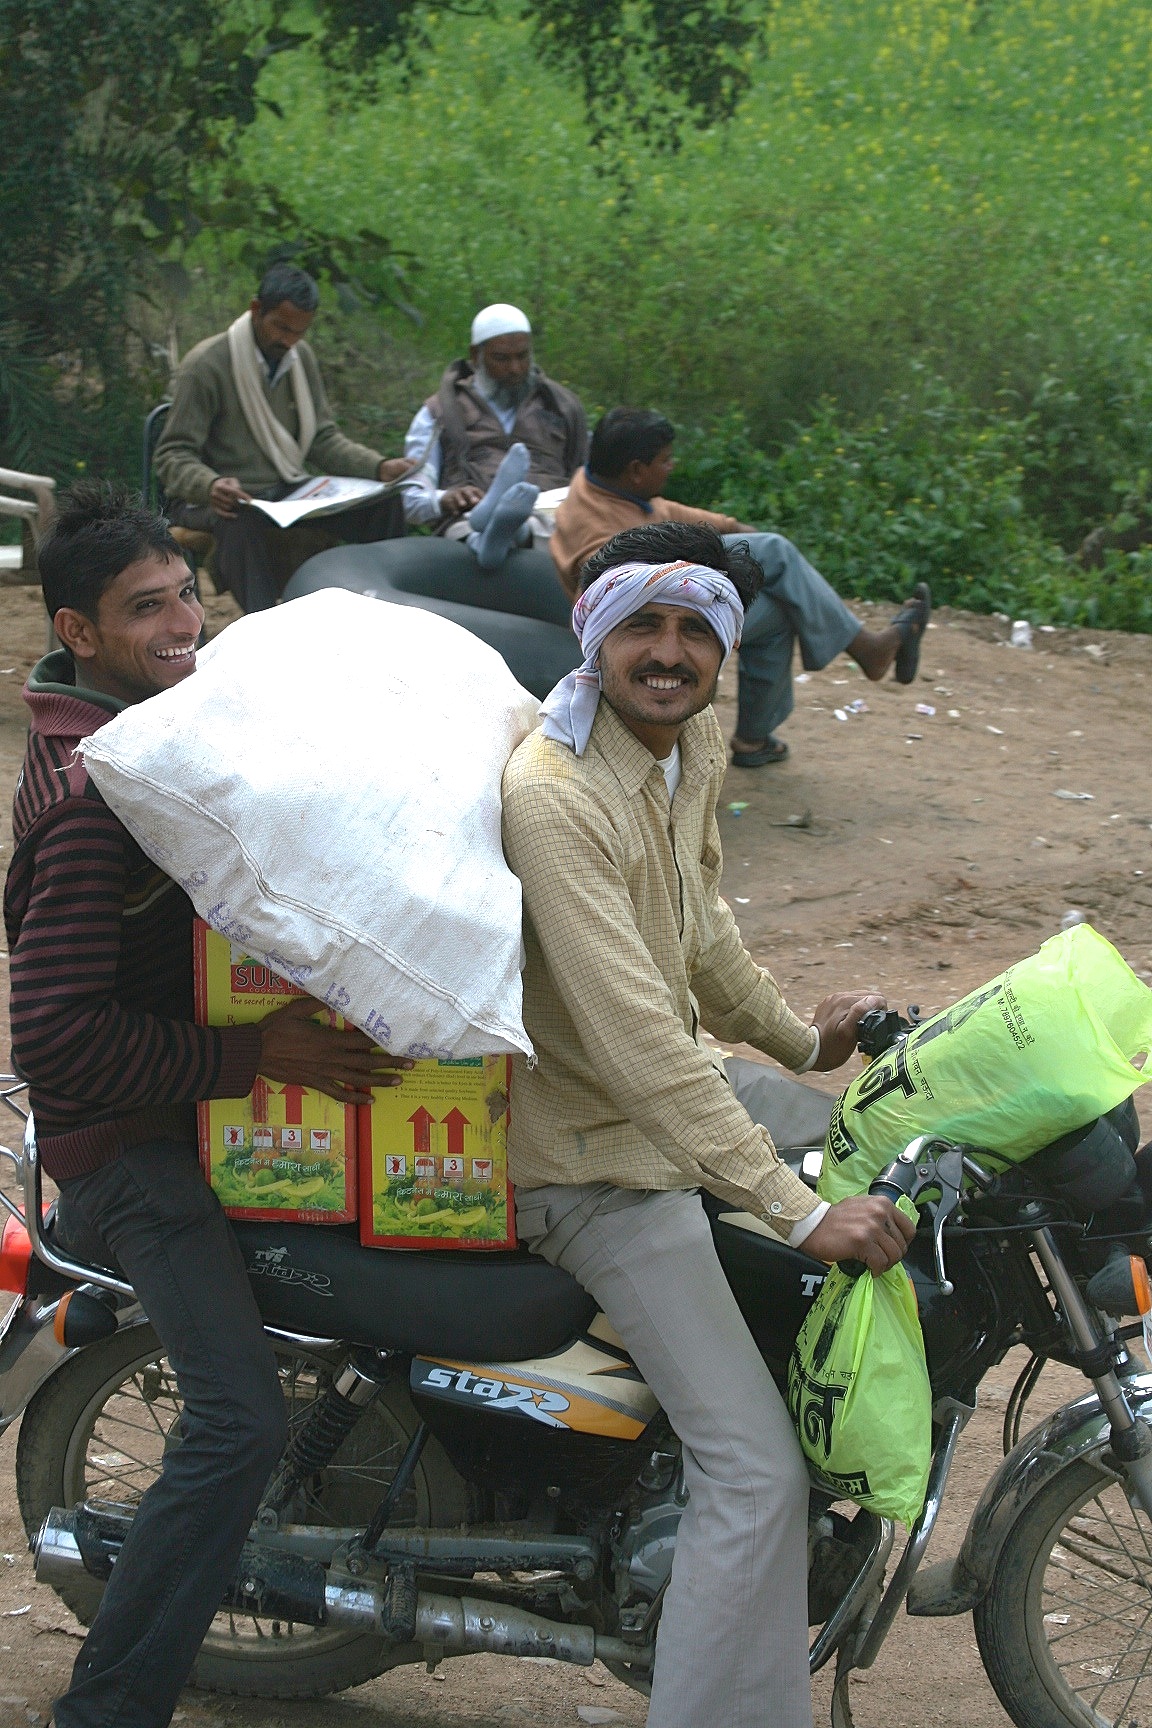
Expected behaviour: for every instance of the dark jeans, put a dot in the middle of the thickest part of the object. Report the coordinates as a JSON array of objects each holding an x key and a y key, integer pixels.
[
  {"x": 151, "y": 1214},
  {"x": 254, "y": 558}
]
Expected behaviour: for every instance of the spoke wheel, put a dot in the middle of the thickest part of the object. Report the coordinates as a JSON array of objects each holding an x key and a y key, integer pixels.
[
  {"x": 1066, "y": 1628},
  {"x": 100, "y": 1429}
]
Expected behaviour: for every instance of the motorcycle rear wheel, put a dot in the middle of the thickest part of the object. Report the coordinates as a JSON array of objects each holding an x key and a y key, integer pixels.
[
  {"x": 1065, "y": 1631},
  {"x": 100, "y": 1428}
]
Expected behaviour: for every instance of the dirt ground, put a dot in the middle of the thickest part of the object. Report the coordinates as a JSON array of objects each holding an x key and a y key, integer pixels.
[{"x": 918, "y": 851}]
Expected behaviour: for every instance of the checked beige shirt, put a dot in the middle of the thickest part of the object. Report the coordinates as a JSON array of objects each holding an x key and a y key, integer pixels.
[{"x": 629, "y": 948}]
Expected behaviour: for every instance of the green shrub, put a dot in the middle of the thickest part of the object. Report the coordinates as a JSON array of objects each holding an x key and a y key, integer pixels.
[{"x": 929, "y": 489}]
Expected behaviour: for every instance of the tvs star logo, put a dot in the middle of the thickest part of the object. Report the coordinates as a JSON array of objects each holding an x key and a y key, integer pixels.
[
  {"x": 531, "y": 1401},
  {"x": 272, "y": 1263}
]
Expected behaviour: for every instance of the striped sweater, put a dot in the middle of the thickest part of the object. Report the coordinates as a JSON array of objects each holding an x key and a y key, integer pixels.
[{"x": 101, "y": 958}]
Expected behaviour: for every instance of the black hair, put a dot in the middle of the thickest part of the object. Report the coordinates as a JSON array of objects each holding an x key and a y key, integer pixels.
[
  {"x": 626, "y": 435},
  {"x": 99, "y": 529},
  {"x": 664, "y": 542},
  {"x": 283, "y": 281}
]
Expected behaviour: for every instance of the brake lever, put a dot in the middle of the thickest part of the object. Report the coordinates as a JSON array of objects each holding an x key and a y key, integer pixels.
[{"x": 919, "y": 1168}]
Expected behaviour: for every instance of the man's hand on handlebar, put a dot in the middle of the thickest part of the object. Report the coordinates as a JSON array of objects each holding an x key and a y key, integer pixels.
[
  {"x": 836, "y": 1020},
  {"x": 865, "y": 1227},
  {"x": 304, "y": 1052}
]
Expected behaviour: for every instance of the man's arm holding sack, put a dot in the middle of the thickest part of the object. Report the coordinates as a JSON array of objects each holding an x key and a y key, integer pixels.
[{"x": 72, "y": 1037}]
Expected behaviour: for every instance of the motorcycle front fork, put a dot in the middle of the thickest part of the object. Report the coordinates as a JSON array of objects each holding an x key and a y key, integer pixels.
[{"x": 1130, "y": 1436}]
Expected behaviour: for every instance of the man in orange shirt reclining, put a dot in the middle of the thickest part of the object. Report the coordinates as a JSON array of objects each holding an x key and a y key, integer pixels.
[{"x": 621, "y": 487}]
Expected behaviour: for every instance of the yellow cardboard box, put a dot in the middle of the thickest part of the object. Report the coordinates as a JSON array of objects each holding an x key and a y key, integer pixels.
[
  {"x": 284, "y": 1152},
  {"x": 433, "y": 1156}
]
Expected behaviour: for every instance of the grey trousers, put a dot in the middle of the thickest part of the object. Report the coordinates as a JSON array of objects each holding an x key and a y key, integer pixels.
[
  {"x": 732, "y": 1650},
  {"x": 795, "y": 604}
]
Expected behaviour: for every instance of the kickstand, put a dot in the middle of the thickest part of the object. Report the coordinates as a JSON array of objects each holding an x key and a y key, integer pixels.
[{"x": 841, "y": 1703}]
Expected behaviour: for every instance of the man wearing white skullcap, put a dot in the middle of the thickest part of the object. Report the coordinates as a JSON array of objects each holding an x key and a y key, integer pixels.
[
  {"x": 609, "y": 821},
  {"x": 496, "y": 434}
]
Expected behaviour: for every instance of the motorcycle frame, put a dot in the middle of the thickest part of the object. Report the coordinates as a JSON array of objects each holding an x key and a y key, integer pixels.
[{"x": 853, "y": 1634}]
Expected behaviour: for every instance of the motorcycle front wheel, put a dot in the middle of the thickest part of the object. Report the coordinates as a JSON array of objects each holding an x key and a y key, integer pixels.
[
  {"x": 99, "y": 1429},
  {"x": 1065, "y": 1631}
]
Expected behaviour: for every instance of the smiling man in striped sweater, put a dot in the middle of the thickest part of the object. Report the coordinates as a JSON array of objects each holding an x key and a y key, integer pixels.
[{"x": 102, "y": 1029}]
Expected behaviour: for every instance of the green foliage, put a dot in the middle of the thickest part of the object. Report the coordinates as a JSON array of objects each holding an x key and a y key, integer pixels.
[
  {"x": 122, "y": 120},
  {"x": 928, "y": 489},
  {"x": 699, "y": 57}
]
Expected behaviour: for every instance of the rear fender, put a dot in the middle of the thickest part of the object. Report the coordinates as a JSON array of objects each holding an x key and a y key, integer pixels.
[
  {"x": 29, "y": 1353},
  {"x": 1074, "y": 1433}
]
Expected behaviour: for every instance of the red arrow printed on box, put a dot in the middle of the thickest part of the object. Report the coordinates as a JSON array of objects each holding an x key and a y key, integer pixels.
[
  {"x": 293, "y": 1104},
  {"x": 421, "y": 1122},
  {"x": 456, "y": 1123}
]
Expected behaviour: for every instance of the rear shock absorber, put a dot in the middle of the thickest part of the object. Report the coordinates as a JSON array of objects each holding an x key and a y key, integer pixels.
[{"x": 320, "y": 1436}]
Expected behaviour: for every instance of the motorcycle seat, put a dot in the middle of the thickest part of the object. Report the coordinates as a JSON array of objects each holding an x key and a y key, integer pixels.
[{"x": 483, "y": 1306}]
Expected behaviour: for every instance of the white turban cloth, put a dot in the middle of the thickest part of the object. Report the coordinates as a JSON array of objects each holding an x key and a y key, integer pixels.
[
  {"x": 570, "y": 708},
  {"x": 499, "y": 320}
]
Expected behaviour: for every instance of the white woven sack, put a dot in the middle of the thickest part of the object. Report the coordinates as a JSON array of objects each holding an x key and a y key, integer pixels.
[{"x": 326, "y": 788}]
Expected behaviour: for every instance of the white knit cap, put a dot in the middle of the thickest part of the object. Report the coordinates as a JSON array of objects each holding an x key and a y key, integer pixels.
[{"x": 499, "y": 320}]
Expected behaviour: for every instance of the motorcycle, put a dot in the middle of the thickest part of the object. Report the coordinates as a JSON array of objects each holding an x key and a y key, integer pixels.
[{"x": 475, "y": 1464}]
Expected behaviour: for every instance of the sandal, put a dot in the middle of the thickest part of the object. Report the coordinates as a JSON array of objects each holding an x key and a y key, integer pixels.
[
  {"x": 774, "y": 750},
  {"x": 912, "y": 621}
]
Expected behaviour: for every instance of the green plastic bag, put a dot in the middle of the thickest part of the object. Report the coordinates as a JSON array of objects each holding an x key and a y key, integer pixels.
[
  {"x": 859, "y": 1394},
  {"x": 1046, "y": 1047}
]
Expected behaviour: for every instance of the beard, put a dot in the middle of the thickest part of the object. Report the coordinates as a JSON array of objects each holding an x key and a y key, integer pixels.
[{"x": 505, "y": 395}]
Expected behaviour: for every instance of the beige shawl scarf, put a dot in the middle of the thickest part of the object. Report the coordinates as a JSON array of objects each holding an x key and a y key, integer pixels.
[{"x": 286, "y": 454}]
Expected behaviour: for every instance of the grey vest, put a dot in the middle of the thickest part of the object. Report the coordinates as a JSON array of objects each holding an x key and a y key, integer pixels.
[{"x": 550, "y": 422}]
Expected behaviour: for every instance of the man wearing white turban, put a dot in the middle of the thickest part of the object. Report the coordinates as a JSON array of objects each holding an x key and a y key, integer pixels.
[
  {"x": 496, "y": 434},
  {"x": 610, "y": 824}
]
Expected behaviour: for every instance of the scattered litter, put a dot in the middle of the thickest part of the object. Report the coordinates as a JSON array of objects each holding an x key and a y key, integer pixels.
[
  {"x": 8, "y": 1559},
  {"x": 843, "y": 944},
  {"x": 840, "y": 713},
  {"x": 1075, "y": 734},
  {"x": 839, "y": 680},
  {"x": 926, "y": 709},
  {"x": 1096, "y": 649},
  {"x": 941, "y": 690},
  {"x": 997, "y": 731},
  {"x": 858, "y": 707},
  {"x": 1105, "y": 1669},
  {"x": 1071, "y": 918},
  {"x": 884, "y": 842},
  {"x": 1040, "y": 841},
  {"x": 597, "y": 1713},
  {"x": 803, "y": 678},
  {"x": 1047, "y": 629},
  {"x": 804, "y": 821},
  {"x": 1021, "y": 636},
  {"x": 953, "y": 713},
  {"x": 914, "y": 738},
  {"x": 1075, "y": 797},
  {"x": 742, "y": 900},
  {"x": 1056, "y": 1619},
  {"x": 5, "y": 670},
  {"x": 14, "y": 1613},
  {"x": 739, "y": 807}
]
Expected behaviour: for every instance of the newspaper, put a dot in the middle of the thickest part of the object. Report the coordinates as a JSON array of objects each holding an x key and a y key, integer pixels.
[{"x": 323, "y": 495}]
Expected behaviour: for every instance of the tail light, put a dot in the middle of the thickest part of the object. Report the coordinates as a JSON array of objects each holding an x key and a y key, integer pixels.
[{"x": 15, "y": 1254}]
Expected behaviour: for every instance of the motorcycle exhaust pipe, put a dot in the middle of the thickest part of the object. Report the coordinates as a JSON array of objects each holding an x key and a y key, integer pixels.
[{"x": 86, "y": 1540}]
